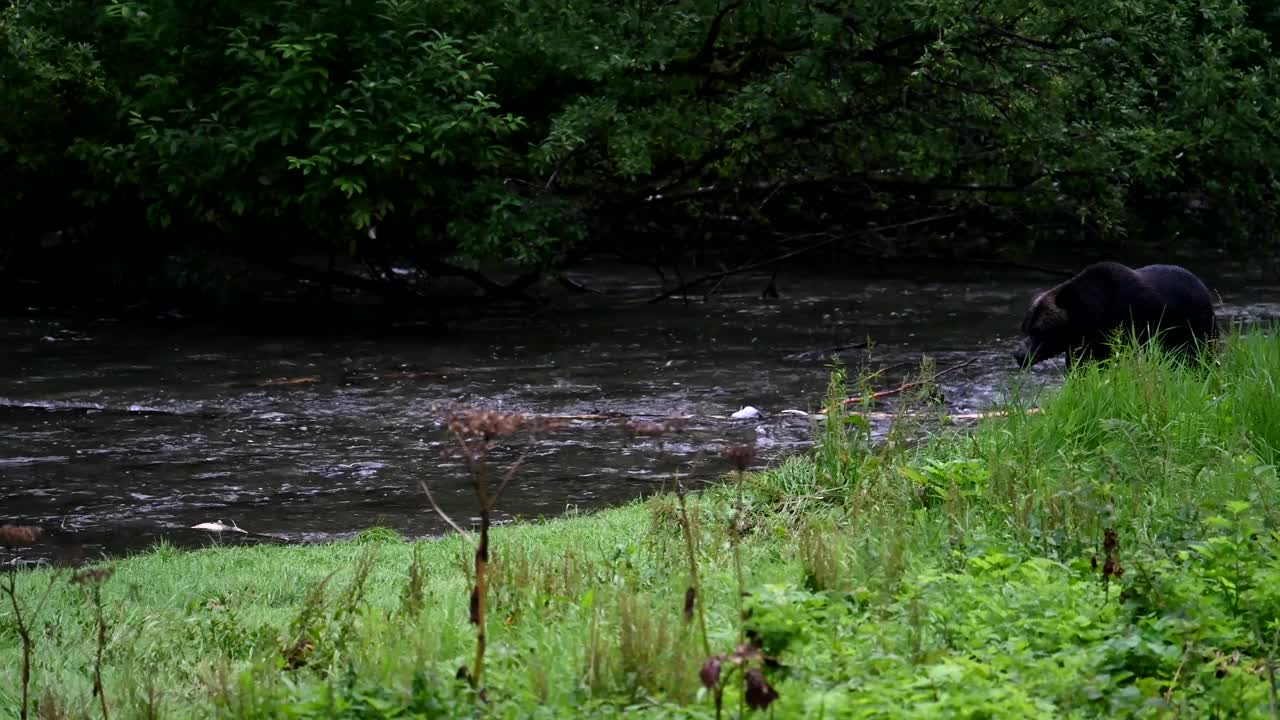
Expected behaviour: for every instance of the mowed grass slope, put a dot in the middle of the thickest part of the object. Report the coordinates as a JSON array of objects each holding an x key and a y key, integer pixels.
[{"x": 1114, "y": 555}]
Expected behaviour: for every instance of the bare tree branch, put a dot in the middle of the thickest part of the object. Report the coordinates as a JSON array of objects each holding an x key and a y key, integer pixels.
[
  {"x": 511, "y": 472},
  {"x": 443, "y": 514},
  {"x": 790, "y": 254},
  {"x": 713, "y": 33}
]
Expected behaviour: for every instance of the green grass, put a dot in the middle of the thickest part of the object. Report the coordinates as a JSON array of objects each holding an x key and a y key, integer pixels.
[{"x": 958, "y": 577}]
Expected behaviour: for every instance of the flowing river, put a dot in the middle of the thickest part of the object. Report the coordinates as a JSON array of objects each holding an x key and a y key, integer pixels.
[{"x": 113, "y": 435}]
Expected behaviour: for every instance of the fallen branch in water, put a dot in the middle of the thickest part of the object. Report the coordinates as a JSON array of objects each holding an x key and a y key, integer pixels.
[
  {"x": 1015, "y": 265},
  {"x": 361, "y": 376},
  {"x": 272, "y": 382},
  {"x": 877, "y": 415},
  {"x": 873, "y": 415},
  {"x": 352, "y": 377},
  {"x": 908, "y": 386},
  {"x": 748, "y": 267},
  {"x": 756, "y": 265},
  {"x": 595, "y": 416},
  {"x": 816, "y": 354},
  {"x": 396, "y": 375},
  {"x": 92, "y": 408}
]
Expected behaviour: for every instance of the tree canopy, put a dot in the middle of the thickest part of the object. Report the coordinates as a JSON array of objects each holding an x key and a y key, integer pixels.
[{"x": 447, "y": 135}]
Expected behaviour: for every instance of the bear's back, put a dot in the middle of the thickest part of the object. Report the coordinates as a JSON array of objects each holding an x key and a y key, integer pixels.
[{"x": 1184, "y": 294}]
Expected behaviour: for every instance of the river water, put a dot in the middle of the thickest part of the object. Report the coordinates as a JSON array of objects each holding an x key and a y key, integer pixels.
[{"x": 306, "y": 438}]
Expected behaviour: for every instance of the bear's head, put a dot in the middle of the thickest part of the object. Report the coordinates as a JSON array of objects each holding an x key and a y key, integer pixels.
[{"x": 1048, "y": 327}]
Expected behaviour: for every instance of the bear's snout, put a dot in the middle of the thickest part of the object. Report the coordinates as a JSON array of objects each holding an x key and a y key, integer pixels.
[{"x": 1022, "y": 352}]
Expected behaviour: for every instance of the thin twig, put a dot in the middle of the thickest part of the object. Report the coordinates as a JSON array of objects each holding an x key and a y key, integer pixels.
[
  {"x": 511, "y": 472},
  {"x": 1173, "y": 683},
  {"x": 11, "y": 589},
  {"x": 909, "y": 386},
  {"x": 431, "y": 499},
  {"x": 695, "y": 589},
  {"x": 477, "y": 482},
  {"x": 1271, "y": 677},
  {"x": 684, "y": 287},
  {"x": 560, "y": 166},
  {"x": 951, "y": 416},
  {"x": 807, "y": 354}
]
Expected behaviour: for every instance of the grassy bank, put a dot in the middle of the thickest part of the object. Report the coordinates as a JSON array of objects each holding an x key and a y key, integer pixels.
[{"x": 1112, "y": 556}]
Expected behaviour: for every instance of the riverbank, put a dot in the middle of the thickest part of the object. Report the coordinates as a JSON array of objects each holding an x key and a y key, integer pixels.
[
  {"x": 1109, "y": 556},
  {"x": 252, "y": 300}
]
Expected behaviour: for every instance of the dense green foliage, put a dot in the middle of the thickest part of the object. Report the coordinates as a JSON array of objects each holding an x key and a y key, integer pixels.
[
  {"x": 1116, "y": 555},
  {"x": 530, "y": 132}
]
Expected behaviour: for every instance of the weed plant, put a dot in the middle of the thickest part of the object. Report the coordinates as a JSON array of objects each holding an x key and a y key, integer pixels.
[{"x": 1114, "y": 555}]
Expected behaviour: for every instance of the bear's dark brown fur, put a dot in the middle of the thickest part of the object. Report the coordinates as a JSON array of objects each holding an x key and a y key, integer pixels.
[{"x": 1078, "y": 316}]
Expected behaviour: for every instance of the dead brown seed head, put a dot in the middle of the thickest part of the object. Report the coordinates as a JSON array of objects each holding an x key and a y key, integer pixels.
[
  {"x": 710, "y": 672},
  {"x": 690, "y": 599},
  {"x": 740, "y": 457},
  {"x": 295, "y": 656},
  {"x": 1110, "y": 541},
  {"x": 1112, "y": 569},
  {"x": 760, "y": 694},
  {"x": 16, "y": 535},
  {"x": 484, "y": 424},
  {"x": 1111, "y": 545},
  {"x": 92, "y": 576}
]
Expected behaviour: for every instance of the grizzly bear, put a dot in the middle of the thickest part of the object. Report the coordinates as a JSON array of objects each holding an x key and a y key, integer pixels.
[{"x": 1078, "y": 316}]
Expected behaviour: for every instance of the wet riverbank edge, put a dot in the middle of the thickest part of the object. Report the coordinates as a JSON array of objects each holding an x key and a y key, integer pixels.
[
  {"x": 259, "y": 300},
  {"x": 1113, "y": 554}
]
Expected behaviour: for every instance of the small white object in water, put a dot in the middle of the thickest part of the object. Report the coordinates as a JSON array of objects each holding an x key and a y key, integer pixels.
[
  {"x": 746, "y": 412},
  {"x": 218, "y": 527}
]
